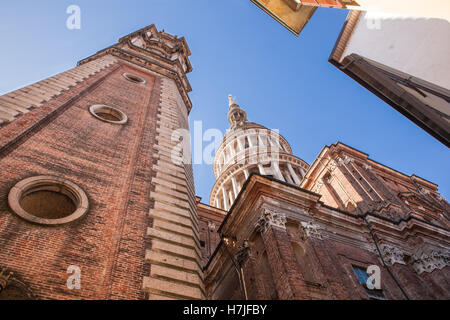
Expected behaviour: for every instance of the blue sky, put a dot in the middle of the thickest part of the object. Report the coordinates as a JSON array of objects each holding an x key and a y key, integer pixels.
[{"x": 282, "y": 81}]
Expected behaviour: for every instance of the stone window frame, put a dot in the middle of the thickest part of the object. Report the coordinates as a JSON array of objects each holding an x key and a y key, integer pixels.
[
  {"x": 108, "y": 109},
  {"x": 133, "y": 78},
  {"x": 48, "y": 183}
]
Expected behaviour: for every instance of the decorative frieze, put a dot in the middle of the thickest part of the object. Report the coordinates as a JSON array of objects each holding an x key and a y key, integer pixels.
[
  {"x": 392, "y": 255},
  {"x": 270, "y": 218},
  {"x": 427, "y": 261}
]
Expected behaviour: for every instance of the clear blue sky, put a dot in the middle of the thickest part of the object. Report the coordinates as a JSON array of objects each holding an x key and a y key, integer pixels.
[{"x": 282, "y": 81}]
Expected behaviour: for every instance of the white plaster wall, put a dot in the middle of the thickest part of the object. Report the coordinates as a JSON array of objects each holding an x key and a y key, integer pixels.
[
  {"x": 412, "y": 8},
  {"x": 417, "y": 46}
]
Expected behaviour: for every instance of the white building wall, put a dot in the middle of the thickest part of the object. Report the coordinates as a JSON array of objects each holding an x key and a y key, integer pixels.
[
  {"x": 419, "y": 47},
  {"x": 413, "y": 8}
]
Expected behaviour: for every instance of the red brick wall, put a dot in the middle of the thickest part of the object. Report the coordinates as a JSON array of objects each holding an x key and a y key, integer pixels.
[
  {"x": 209, "y": 239},
  {"x": 111, "y": 163},
  {"x": 332, "y": 264}
]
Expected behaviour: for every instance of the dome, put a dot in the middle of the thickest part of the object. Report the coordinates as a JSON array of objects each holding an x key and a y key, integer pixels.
[{"x": 246, "y": 148}]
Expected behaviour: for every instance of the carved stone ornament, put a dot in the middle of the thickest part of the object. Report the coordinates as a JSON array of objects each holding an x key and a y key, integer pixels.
[
  {"x": 344, "y": 161},
  {"x": 212, "y": 226},
  {"x": 392, "y": 255},
  {"x": 12, "y": 288},
  {"x": 429, "y": 260},
  {"x": 243, "y": 252},
  {"x": 424, "y": 191},
  {"x": 332, "y": 166},
  {"x": 311, "y": 230},
  {"x": 271, "y": 218},
  {"x": 318, "y": 187},
  {"x": 4, "y": 278}
]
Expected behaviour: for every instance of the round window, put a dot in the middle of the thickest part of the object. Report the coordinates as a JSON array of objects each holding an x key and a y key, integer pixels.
[
  {"x": 108, "y": 114},
  {"x": 48, "y": 200},
  {"x": 133, "y": 78}
]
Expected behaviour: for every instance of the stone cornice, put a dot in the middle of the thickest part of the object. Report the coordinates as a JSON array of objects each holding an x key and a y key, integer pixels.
[
  {"x": 175, "y": 63},
  {"x": 258, "y": 186}
]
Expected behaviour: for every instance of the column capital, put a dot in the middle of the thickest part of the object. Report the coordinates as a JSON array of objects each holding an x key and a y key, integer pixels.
[
  {"x": 270, "y": 218},
  {"x": 311, "y": 230}
]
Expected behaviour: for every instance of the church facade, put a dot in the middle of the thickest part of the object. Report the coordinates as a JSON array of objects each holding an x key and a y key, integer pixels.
[
  {"x": 287, "y": 230},
  {"x": 97, "y": 198}
]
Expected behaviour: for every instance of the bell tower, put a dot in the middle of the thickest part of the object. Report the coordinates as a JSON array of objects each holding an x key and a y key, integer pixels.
[{"x": 92, "y": 204}]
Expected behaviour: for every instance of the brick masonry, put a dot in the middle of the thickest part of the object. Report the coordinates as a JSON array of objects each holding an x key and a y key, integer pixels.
[
  {"x": 111, "y": 163},
  {"x": 175, "y": 251},
  {"x": 139, "y": 239}
]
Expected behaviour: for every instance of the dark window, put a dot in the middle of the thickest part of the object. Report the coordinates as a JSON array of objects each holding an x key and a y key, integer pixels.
[{"x": 202, "y": 243}]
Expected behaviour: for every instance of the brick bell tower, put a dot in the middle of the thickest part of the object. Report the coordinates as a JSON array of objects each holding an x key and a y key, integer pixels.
[{"x": 92, "y": 205}]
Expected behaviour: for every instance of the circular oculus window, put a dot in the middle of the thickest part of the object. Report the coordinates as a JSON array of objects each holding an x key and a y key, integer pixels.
[
  {"x": 48, "y": 200},
  {"x": 133, "y": 78},
  {"x": 108, "y": 114}
]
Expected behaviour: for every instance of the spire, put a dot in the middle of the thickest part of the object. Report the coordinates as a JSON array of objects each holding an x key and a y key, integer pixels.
[
  {"x": 236, "y": 116},
  {"x": 231, "y": 101}
]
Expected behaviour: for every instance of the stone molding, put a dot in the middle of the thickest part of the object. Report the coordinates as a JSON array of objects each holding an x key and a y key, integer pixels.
[{"x": 48, "y": 183}]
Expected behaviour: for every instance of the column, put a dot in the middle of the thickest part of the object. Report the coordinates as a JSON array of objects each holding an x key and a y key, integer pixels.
[
  {"x": 302, "y": 172},
  {"x": 293, "y": 174},
  {"x": 239, "y": 142},
  {"x": 250, "y": 142},
  {"x": 286, "y": 273},
  {"x": 225, "y": 199},
  {"x": 235, "y": 188},
  {"x": 230, "y": 195},
  {"x": 287, "y": 176},
  {"x": 276, "y": 169},
  {"x": 246, "y": 174},
  {"x": 261, "y": 142},
  {"x": 261, "y": 170}
]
